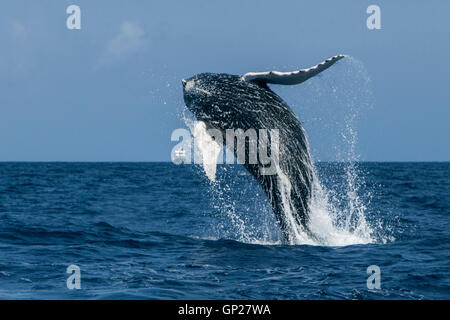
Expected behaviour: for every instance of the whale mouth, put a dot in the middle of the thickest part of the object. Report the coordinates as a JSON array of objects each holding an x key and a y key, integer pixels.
[{"x": 192, "y": 86}]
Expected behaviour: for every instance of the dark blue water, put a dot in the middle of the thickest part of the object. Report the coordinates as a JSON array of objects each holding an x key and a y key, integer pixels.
[{"x": 157, "y": 230}]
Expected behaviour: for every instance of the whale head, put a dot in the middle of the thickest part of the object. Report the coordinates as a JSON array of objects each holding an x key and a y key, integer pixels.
[{"x": 222, "y": 101}]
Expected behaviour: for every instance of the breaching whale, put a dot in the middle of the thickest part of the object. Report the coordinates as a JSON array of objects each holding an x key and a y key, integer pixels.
[{"x": 224, "y": 101}]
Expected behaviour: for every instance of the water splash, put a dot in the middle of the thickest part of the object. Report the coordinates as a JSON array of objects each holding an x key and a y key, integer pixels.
[{"x": 339, "y": 209}]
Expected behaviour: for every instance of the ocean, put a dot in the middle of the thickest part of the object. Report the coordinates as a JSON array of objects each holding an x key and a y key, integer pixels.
[{"x": 164, "y": 231}]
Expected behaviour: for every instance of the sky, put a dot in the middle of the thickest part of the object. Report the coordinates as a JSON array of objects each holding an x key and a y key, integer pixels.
[{"x": 111, "y": 91}]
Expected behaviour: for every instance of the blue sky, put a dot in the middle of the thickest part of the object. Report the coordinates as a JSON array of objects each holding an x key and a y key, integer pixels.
[{"x": 111, "y": 91}]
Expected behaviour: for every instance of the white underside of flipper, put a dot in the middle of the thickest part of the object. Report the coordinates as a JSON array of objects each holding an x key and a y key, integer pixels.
[
  {"x": 293, "y": 77},
  {"x": 208, "y": 148}
]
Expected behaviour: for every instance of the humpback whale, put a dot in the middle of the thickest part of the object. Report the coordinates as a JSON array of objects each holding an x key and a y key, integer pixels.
[{"x": 225, "y": 101}]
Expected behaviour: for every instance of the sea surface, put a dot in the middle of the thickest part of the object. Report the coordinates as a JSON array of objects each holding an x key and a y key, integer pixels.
[{"x": 164, "y": 231}]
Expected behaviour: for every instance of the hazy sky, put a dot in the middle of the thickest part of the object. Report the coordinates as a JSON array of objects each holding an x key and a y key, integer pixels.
[{"x": 112, "y": 92}]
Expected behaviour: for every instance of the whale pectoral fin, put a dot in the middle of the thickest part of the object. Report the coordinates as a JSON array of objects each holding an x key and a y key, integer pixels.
[{"x": 293, "y": 77}]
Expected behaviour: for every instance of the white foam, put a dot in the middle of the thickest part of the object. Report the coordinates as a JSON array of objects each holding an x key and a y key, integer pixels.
[
  {"x": 328, "y": 225},
  {"x": 336, "y": 227}
]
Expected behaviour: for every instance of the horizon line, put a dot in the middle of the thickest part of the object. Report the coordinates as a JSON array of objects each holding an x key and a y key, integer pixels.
[{"x": 162, "y": 161}]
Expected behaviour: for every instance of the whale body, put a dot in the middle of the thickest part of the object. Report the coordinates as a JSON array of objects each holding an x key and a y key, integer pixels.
[{"x": 224, "y": 101}]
